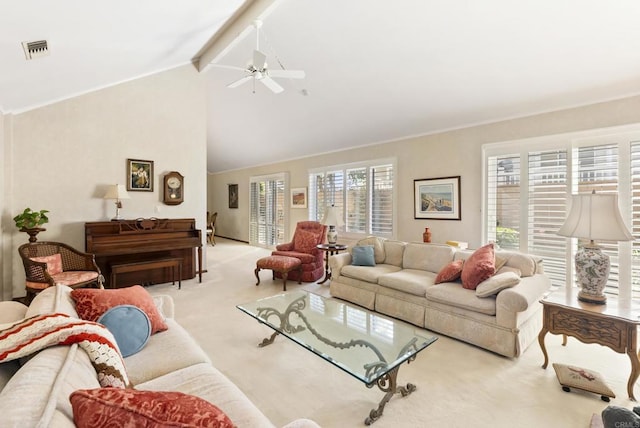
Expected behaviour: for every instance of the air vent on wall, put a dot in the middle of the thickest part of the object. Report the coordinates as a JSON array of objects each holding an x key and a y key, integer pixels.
[{"x": 35, "y": 49}]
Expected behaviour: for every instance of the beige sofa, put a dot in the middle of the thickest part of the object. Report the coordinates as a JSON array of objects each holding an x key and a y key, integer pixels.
[
  {"x": 401, "y": 285},
  {"x": 36, "y": 394}
]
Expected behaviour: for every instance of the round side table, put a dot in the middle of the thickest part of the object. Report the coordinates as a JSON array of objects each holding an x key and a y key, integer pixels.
[{"x": 329, "y": 250}]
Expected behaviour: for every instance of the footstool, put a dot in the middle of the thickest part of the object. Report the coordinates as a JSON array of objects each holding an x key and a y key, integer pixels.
[{"x": 280, "y": 264}]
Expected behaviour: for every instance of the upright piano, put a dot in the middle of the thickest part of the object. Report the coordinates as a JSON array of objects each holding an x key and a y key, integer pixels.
[{"x": 140, "y": 240}]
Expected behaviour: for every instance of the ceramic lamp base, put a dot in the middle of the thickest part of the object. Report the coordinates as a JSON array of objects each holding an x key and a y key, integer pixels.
[
  {"x": 592, "y": 270},
  {"x": 332, "y": 235}
]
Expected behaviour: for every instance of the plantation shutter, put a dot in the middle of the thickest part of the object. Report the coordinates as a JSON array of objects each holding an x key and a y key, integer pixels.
[
  {"x": 356, "y": 200},
  {"x": 382, "y": 200},
  {"x": 635, "y": 223},
  {"x": 503, "y": 200},
  {"x": 267, "y": 210},
  {"x": 547, "y": 211}
]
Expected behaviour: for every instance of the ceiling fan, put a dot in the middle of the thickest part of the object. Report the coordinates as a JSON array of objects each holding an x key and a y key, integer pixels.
[{"x": 258, "y": 71}]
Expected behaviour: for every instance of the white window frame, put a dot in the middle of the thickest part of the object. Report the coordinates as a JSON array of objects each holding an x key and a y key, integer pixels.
[
  {"x": 622, "y": 136},
  {"x": 355, "y": 165},
  {"x": 282, "y": 176}
]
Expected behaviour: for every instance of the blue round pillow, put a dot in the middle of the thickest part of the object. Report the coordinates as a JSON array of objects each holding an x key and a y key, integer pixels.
[{"x": 129, "y": 325}]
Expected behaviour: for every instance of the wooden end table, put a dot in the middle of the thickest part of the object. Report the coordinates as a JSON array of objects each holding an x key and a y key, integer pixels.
[
  {"x": 611, "y": 325},
  {"x": 329, "y": 250}
]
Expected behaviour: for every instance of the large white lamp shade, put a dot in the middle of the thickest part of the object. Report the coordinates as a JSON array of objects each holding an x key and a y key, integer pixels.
[
  {"x": 117, "y": 192},
  {"x": 332, "y": 218}
]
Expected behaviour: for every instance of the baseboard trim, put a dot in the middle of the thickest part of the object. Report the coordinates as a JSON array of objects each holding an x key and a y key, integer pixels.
[{"x": 232, "y": 239}]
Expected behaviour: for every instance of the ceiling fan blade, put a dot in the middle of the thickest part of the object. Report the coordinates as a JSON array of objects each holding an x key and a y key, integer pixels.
[
  {"x": 271, "y": 84},
  {"x": 290, "y": 74},
  {"x": 239, "y": 82},
  {"x": 259, "y": 60}
]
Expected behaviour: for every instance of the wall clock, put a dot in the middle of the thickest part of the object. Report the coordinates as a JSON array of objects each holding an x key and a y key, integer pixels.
[{"x": 173, "y": 188}]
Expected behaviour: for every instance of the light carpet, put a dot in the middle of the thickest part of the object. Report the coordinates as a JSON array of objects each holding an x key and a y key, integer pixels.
[{"x": 458, "y": 384}]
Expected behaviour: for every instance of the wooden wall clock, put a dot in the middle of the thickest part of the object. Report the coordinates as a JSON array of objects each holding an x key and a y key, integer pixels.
[{"x": 173, "y": 188}]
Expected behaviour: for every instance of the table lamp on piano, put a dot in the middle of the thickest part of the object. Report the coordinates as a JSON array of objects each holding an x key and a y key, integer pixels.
[{"x": 117, "y": 192}]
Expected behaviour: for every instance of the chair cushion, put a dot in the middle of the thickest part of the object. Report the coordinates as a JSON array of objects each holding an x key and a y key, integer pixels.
[
  {"x": 73, "y": 277},
  {"x": 92, "y": 303},
  {"x": 54, "y": 263},
  {"x": 305, "y": 241},
  {"x": 128, "y": 407}
]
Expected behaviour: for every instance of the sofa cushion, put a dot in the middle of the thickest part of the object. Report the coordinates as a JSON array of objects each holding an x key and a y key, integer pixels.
[
  {"x": 428, "y": 257},
  {"x": 367, "y": 273},
  {"x": 412, "y": 281},
  {"x": 478, "y": 267},
  {"x": 130, "y": 327},
  {"x": 128, "y": 407},
  {"x": 53, "y": 299},
  {"x": 378, "y": 247},
  {"x": 393, "y": 252},
  {"x": 305, "y": 241},
  {"x": 497, "y": 283},
  {"x": 91, "y": 303},
  {"x": 54, "y": 263},
  {"x": 450, "y": 272},
  {"x": 451, "y": 294},
  {"x": 362, "y": 255},
  {"x": 527, "y": 263}
]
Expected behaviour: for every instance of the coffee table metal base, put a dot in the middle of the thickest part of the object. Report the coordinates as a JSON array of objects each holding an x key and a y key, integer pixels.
[{"x": 386, "y": 383}]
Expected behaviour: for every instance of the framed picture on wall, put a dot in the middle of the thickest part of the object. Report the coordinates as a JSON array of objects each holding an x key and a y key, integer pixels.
[
  {"x": 299, "y": 197},
  {"x": 437, "y": 198},
  {"x": 140, "y": 175},
  {"x": 233, "y": 196}
]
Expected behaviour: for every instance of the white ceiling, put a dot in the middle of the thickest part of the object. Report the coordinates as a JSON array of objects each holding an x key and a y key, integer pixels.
[{"x": 375, "y": 71}]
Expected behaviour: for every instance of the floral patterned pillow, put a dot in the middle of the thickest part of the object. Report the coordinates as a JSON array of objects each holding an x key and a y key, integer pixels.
[
  {"x": 134, "y": 408},
  {"x": 91, "y": 303},
  {"x": 305, "y": 241}
]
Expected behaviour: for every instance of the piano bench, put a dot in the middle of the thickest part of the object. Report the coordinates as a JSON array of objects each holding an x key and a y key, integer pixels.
[{"x": 172, "y": 263}]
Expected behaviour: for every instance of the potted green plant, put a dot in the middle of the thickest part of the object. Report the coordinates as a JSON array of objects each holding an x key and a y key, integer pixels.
[{"x": 30, "y": 221}]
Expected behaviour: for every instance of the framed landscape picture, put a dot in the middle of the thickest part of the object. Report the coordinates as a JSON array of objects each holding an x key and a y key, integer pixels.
[
  {"x": 140, "y": 175},
  {"x": 437, "y": 198},
  {"x": 233, "y": 196},
  {"x": 299, "y": 197}
]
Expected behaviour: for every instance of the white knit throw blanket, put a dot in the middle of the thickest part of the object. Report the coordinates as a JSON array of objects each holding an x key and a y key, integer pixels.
[{"x": 41, "y": 331}]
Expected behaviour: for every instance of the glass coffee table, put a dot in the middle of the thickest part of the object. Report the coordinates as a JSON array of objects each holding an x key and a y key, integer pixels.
[{"x": 368, "y": 346}]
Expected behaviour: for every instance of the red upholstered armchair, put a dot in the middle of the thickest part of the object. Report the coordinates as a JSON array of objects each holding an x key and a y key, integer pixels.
[{"x": 308, "y": 234}]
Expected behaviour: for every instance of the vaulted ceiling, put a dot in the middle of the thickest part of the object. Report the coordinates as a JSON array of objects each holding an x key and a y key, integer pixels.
[{"x": 375, "y": 71}]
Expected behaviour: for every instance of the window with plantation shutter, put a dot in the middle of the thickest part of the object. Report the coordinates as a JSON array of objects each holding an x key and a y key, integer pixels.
[
  {"x": 362, "y": 192},
  {"x": 547, "y": 210},
  {"x": 267, "y": 210},
  {"x": 533, "y": 184}
]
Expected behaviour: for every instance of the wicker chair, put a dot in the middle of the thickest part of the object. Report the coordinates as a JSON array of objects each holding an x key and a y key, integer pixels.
[{"x": 49, "y": 263}]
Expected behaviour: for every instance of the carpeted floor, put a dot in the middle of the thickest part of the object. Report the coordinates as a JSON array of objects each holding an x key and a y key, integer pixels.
[{"x": 459, "y": 385}]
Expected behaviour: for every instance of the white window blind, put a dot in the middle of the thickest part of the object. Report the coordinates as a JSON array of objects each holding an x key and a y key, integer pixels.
[
  {"x": 503, "y": 200},
  {"x": 547, "y": 178},
  {"x": 267, "y": 210}
]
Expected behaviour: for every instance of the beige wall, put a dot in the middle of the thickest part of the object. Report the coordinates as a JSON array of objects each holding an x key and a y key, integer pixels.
[
  {"x": 450, "y": 153},
  {"x": 63, "y": 156}
]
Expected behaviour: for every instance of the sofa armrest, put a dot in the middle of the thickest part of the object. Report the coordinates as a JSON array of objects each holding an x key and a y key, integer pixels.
[
  {"x": 522, "y": 296},
  {"x": 337, "y": 261},
  {"x": 165, "y": 305}
]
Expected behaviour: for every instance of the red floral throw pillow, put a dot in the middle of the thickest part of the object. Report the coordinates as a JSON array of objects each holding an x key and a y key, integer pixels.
[
  {"x": 450, "y": 272},
  {"x": 478, "y": 267},
  {"x": 305, "y": 241},
  {"x": 132, "y": 408},
  {"x": 54, "y": 263},
  {"x": 91, "y": 303}
]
